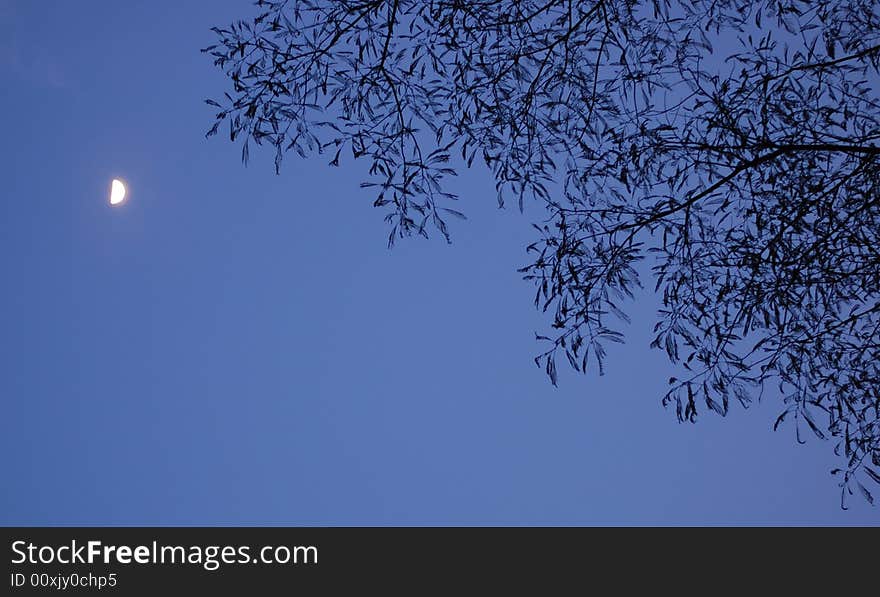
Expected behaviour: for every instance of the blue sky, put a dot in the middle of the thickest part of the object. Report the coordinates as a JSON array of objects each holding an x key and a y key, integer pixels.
[{"x": 235, "y": 347}]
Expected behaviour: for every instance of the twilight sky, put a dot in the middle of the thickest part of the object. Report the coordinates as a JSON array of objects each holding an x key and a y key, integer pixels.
[{"x": 235, "y": 347}]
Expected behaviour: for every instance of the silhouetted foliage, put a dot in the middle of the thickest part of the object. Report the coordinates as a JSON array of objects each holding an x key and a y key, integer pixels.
[{"x": 747, "y": 176}]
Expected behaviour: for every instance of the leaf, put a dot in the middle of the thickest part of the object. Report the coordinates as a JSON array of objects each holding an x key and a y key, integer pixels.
[
  {"x": 866, "y": 493},
  {"x": 809, "y": 418},
  {"x": 780, "y": 419},
  {"x": 455, "y": 213},
  {"x": 714, "y": 406},
  {"x": 551, "y": 370},
  {"x": 790, "y": 23}
]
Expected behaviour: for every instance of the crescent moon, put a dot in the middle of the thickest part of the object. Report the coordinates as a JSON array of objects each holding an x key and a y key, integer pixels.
[{"x": 117, "y": 192}]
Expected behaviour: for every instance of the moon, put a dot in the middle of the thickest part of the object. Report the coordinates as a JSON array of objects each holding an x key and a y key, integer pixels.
[{"x": 117, "y": 192}]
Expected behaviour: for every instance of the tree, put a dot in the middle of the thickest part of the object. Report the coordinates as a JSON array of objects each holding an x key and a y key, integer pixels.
[{"x": 745, "y": 176}]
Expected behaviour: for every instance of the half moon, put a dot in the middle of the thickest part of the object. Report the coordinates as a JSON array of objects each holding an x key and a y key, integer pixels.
[{"x": 117, "y": 192}]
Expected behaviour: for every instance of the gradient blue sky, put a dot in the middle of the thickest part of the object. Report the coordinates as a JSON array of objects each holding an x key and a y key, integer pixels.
[{"x": 235, "y": 347}]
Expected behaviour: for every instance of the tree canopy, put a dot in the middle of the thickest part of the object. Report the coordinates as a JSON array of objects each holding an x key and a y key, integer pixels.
[{"x": 725, "y": 149}]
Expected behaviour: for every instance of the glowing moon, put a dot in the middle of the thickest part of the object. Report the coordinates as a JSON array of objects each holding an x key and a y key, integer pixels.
[{"x": 117, "y": 192}]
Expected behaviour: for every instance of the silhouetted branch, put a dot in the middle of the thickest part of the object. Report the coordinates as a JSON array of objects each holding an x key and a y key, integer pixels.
[{"x": 731, "y": 143}]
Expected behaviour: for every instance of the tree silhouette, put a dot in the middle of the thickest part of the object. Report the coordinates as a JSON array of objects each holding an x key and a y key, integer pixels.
[{"x": 747, "y": 175}]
